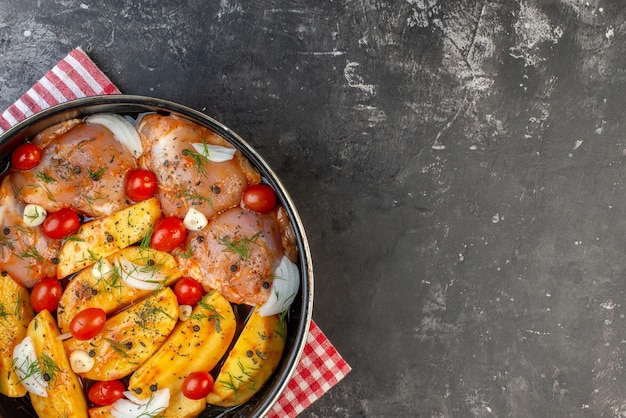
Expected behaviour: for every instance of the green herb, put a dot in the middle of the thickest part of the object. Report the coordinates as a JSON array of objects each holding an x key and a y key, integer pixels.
[
  {"x": 241, "y": 246},
  {"x": 95, "y": 175},
  {"x": 49, "y": 194},
  {"x": 200, "y": 160},
  {"x": 45, "y": 368},
  {"x": 213, "y": 315},
  {"x": 32, "y": 252},
  {"x": 195, "y": 197},
  {"x": 18, "y": 306},
  {"x": 4, "y": 314},
  {"x": 282, "y": 325},
  {"x": 49, "y": 368},
  {"x": 108, "y": 281},
  {"x": 6, "y": 242},
  {"x": 145, "y": 242},
  {"x": 187, "y": 254},
  {"x": 43, "y": 176},
  {"x": 33, "y": 216},
  {"x": 118, "y": 347},
  {"x": 148, "y": 314}
]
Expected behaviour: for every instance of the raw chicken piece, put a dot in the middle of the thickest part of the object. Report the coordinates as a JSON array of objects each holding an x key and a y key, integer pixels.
[
  {"x": 235, "y": 254},
  {"x": 186, "y": 178},
  {"x": 83, "y": 166},
  {"x": 25, "y": 252}
]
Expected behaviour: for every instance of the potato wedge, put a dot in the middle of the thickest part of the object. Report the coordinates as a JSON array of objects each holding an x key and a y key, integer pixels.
[
  {"x": 197, "y": 344},
  {"x": 65, "y": 393},
  {"x": 15, "y": 315},
  {"x": 250, "y": 362},
  {"x": 130, "y": 337},
  {"x": 102, "y": 237},
  {"x": 110, "y": 293}
]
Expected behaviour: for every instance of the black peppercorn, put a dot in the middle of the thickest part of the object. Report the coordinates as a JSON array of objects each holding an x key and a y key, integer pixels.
[{"x": 196, "y": 328}]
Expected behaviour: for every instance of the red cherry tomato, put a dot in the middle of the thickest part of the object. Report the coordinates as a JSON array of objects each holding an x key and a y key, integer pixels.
[
  {"x": 46, "y": 295},
  {"x": 26, "y": 156},
  {"x": 141, "y": 185},
  {"x": 105, "y": 393},
  {"x": 168, "y": 233},
  {"x": 197, "y": 385},
  {"x": 259, "y": 198},
  {"x": 60, "y": 224},
  {"x": 88, "y": 323},
  {"x": 188, "y": 291}
]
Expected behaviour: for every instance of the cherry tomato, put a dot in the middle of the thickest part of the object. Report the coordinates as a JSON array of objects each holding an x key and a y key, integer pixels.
[
  {"x": 168, "y": 233},
  {"x": 188, "y": 291},
  {"x": 26, "y": 156},
  {"x": 88, "y": 323},
  {"x": 60, "y": 224},
  {"x": 46, "y": 295},
  {"x": 105, "y": 393},
  {"x": 141, "y": 185},
  {"x": 197, "y": 385},
  {"x": 259, "y": 198}
]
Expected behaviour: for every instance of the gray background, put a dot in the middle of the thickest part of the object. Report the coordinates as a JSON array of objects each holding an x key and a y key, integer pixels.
[{"x": 458, "y": 165}]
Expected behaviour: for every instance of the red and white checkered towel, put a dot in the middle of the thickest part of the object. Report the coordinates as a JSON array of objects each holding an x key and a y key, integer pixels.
[{"x": 321, "y": 366}]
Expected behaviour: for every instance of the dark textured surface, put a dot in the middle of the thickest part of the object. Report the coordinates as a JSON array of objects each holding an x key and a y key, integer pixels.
[{"x": 458, "y": 165}]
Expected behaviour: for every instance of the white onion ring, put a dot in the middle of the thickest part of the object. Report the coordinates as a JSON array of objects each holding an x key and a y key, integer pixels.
[
  {"x": 132, "y": 407},
  {"x": 25, "y": 360},
  {"x": 135, "y": 275},
  {"x": 215, "y": 153},
  {"x": 122, "y": 130},
  {"x": 284, "y": 288}
]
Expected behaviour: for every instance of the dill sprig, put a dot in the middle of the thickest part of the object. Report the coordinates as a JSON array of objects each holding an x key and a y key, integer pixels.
[
  {"x": 32, "y": 252},
  {"x": 6, "y": 242},
  {"x": 212, "y": 315},
  {"x": 45, "y": 177},
  {"x": 118, "y": 347},
  {"x": 241, "y": 246},
  {"x": 200, "y": 160},
  {"x": 95, "y": 175}
]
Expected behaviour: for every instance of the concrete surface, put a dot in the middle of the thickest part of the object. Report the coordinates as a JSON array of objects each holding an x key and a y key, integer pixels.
[{"x": 459, "y": 166}]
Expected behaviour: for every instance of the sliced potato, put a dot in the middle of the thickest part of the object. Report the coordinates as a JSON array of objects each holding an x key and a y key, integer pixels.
[
  {"x": 109, "y": 292},
  {"x": 130, "y": 337},
  {"x": 15, "y": 314},
  {"x": 250, "y": 362},
  {"x": 102, "y": 237},
  {"x": 65, "y": 394},
  {"x": 101, "y": 412},
  {"x": 183, "y": 407},
  {"x": 197, "y": 344}
]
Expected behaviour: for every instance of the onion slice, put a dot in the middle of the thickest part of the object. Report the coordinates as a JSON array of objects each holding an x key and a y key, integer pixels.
[
  {"x": 284, "y": 288},
  {"x": 122, "y": 130},
  {"x": 215, "y": 153},
  {"x": 28, "y": 369},
  {"x": 140, "y": 277},
  {"x": 133, "y": 407}
]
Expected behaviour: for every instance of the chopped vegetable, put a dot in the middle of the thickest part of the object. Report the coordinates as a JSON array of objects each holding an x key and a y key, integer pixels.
[
  {"x": 215, "y": 153},
  {"x": 251, "y": 361},
  {"x": 285, "y": 285},
  {"x": 121, "y": 129},
  {"x": 104, "y": 236}
]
